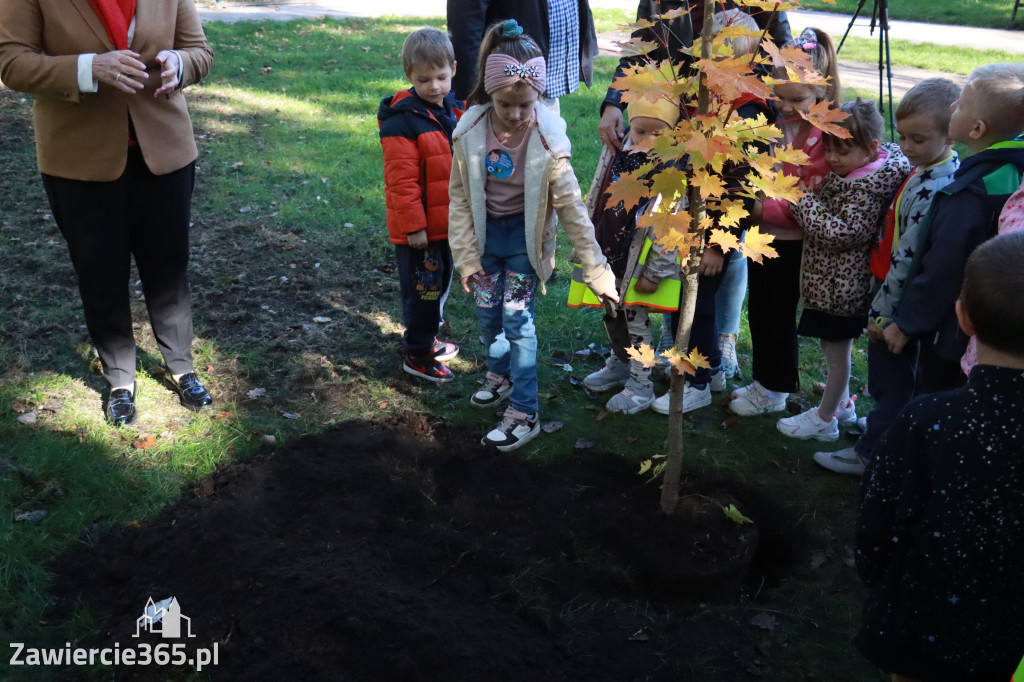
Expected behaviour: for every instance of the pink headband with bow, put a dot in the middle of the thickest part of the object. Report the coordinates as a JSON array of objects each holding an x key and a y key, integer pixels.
[{"x": 501, "y": 70}]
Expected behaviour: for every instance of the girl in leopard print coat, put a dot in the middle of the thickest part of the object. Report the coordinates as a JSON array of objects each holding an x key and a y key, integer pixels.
[{"x": 841, "y": 219}]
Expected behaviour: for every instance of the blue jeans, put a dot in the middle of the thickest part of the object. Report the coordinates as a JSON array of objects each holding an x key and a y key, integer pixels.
[
  {"x": 505, "y": 299},
  {"x": 729, "y": 299}
]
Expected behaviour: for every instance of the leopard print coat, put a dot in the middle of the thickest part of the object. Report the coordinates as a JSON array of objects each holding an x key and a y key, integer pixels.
[{"x": 840, "y": 222}]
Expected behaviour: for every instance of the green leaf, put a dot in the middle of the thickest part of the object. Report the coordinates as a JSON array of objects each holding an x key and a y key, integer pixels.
[
  {"x": 735, "y": 515},
  {"x": 645, "y": 466}
]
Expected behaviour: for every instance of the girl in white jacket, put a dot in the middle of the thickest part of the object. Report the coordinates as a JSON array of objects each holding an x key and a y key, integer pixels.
[{"x": 510, "y": 177}]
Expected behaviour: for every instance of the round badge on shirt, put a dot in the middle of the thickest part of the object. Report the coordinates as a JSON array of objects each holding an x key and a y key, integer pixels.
[{"x": 499, "y": 163}]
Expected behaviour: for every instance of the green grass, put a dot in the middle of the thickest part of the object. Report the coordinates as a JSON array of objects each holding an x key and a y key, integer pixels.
[
  {"x": 939, "y": 58},
  {"x": 983, "y": 13},
  {"x": 289, "y": 155}
]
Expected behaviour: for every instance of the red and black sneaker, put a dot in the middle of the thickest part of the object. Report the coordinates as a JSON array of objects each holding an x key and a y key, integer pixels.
[
  {"x": 444, "y": 352},
  {"x": 428, "y": 368}
]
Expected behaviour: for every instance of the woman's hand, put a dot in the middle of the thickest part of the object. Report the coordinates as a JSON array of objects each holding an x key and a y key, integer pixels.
[
  {"x": 417, "y": 239},
  {"x": 611, "y": 127},
  {"x": 711, "y": 262},
  {"x": 472, "y": 278},
  {"x": 120, "y": 69},
  {"x": 170, "y": 62},
  {"x": 895, "y": 338}
]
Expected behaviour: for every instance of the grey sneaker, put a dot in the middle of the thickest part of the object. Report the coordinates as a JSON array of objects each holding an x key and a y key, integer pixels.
[
  {"x": 614, "y": 374},
  {"x": 845, "y": 461},
  {"x": 808, "y": 425},
  {"x": 727, "y": 344},
  {"x": 756, "y": 399},
  {"x": 847, "y": 415},
  {"x": 495, "y": 389},
  {"x": 515, "y": 429},
  {"x": 631, "y": 399},
  {"x": 693, "y": 399}
]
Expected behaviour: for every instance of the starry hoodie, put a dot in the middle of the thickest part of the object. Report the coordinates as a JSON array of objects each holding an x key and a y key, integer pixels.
[
  {"x": 940, "y": 535},
  {"x": 962, "y": 215},
  {"x": 911, "y": 207}
]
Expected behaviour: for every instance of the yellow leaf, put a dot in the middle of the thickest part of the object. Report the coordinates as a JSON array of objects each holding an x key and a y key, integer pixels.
[
  {"x": 731, "y": 211},
  {"x": 635, "y": 47},
  {"x": 725, "y": 240},
  {"x": 735, "y": 515},
  {"x": 629, "y": 188},
  {"x": 644, "y": 355},
  {"x": 757, "y": 246},
  {"x": 145, "y": 442},
  {"x": 671, "y": 184},
  {"x": 645, "y": 466},
  {"x": 686, "y": 363},
  {"x": 709, "y": 185}
]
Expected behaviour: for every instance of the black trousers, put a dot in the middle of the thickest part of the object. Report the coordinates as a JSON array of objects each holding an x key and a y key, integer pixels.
[
  {"x": 424, "y": 276},
  {"x": 105, "y": 224},
  {"x": 772, "y": 298},
  {"x": 704, "y": 331}
]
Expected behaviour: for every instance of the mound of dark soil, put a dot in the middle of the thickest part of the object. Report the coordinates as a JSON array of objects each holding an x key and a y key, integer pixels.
[{"x": 400, "y": 552}]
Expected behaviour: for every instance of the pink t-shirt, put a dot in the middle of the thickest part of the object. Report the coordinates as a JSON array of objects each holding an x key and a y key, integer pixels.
[{"x": 503, "y": 189}]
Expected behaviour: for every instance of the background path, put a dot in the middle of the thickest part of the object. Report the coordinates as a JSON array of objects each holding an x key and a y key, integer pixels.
[{"x": 860, "y": 75}]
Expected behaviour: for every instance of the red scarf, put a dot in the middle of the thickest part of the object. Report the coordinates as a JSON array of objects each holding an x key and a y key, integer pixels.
[{"x": 116, "y": 16}]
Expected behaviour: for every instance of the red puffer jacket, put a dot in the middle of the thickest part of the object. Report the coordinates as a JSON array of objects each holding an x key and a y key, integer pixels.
[{"x": 417, "y": 165}]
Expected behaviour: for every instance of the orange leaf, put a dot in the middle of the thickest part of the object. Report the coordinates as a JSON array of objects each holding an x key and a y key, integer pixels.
[
  {"x": 628, "y": 188},
  {"x": 823, "y": 117},
  {"x": 145, "y": 442},
  {"x": 686, "y": 363},
  {"x": 222, "y": 415},
  {"x": 757, "y": 245},
  {"x": 644, "y": 355}
]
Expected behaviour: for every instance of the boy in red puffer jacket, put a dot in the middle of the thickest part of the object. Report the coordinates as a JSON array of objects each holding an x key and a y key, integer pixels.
[{"x": 416, "y": 133}]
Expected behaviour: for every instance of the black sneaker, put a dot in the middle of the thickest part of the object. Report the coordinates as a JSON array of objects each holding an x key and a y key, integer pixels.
[
  {"x": 495, "y": 389},
  {"x": 428, "y": 368},
  {"x": 516, "y": 429}
]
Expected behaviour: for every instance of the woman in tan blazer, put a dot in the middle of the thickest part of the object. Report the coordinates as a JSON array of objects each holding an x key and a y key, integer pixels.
[{"x": 116, "y": 151}]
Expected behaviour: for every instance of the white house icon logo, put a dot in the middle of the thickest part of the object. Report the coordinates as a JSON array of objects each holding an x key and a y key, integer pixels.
[{"x": 164, "y": 618}]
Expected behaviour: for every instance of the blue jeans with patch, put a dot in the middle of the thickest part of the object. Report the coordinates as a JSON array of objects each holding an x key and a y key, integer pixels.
[{"x": 504, "y": 307}]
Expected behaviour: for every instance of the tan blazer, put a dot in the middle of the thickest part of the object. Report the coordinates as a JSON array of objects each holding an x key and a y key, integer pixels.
[{"x": 82, "y": 136}]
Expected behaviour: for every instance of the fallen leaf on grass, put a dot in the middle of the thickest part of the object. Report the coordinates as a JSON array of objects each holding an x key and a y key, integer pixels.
[
  {"x": 735, "y": 515},
  {"x": 257, "y": 392},
  {"x": 268, "y": 438},
  {"x": 320, "y": 319},
  {"x": 601, "y": 416},
  {"x": 27, "y": 418},
  {"x": 32, "y": 516},
  {"x": 551, "y": 427},
  {"x": 145, "y": 442},
  {"x": 765, "y": 621},
  {"x": 221, "y": 415},
  {"x": 383, "y": 406},
  {"x": 640, "y": 636},
  {"x": 583, "y": 444},
  {"x": 22, "y": 405},
  {"x": 728, "y": 422},
  {"x": 289, "y": 415}
]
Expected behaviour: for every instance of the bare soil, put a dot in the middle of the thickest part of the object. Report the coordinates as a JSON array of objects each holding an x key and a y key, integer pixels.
[{"x": 406, "y": 551}]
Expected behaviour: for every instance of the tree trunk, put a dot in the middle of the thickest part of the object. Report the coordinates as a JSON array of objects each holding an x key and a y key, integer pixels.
[{"x": 674, "y": 456}]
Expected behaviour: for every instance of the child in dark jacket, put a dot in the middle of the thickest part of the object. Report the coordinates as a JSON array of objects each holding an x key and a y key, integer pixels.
[
  {"x": 416, "y": 128},
  {"x": 940, "y": 534},
  {"x": 988, "y": 118}
]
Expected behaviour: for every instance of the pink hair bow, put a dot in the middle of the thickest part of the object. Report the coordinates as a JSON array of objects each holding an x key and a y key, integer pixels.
[{"x": 501, "y": 70}]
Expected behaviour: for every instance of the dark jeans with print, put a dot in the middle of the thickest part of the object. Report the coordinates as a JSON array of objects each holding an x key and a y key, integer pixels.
[{"x": 424, "y": 276}]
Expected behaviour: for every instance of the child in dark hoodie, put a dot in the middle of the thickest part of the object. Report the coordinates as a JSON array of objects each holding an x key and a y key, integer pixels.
[{"x": 416, "y": 128}]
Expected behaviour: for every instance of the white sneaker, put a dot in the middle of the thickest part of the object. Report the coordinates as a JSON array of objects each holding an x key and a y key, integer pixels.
[
  {"x": 693, "y": 399},
  {"x": 515, "y": 429},
  {"x": 847, "y": 416},
  {"x": 631, "y": 399},
  {"x": 727, "y": 345},
  {"x": 614, "y": 374},
  {"x": 807, "y": 425},
  {"x": 844, "y": 461},
  {"x": 495, "y": 389},
  {"x": 756, "y": 399},
  {"x": 717, "y": 381}
]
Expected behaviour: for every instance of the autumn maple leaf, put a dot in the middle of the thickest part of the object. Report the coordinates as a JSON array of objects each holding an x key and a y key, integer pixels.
[
  {"x": 757, "y": 246},
  {"x": 629, "y": 188},
  {"x": 709, "y": 184},
  {"x": 824, "y": 117},
  {"x": 731, "y": 212},
  {"x": 686, "y": 363},
  {"x": 635, "y": 47},
  {"x": 644, "y": 355},
  {"x": 725, "y": 240}
]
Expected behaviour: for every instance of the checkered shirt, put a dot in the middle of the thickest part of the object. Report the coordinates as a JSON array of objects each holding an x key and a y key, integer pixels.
[{"x": 563, "y": 63}]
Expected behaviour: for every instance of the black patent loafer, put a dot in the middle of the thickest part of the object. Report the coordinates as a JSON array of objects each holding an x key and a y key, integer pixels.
[
  {"x": 191, "y": 391},
  {"x": 120, "y": 409}
]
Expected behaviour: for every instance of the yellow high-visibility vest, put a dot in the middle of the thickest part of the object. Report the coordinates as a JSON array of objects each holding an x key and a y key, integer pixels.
[{"x": 664, "y": 299}]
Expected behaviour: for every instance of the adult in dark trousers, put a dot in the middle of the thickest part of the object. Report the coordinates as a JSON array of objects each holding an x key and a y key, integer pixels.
[
  {"x": 671, "y": 37},
  {"x": 563, "y": 29},
  {"x": 117, "y": 154}
]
